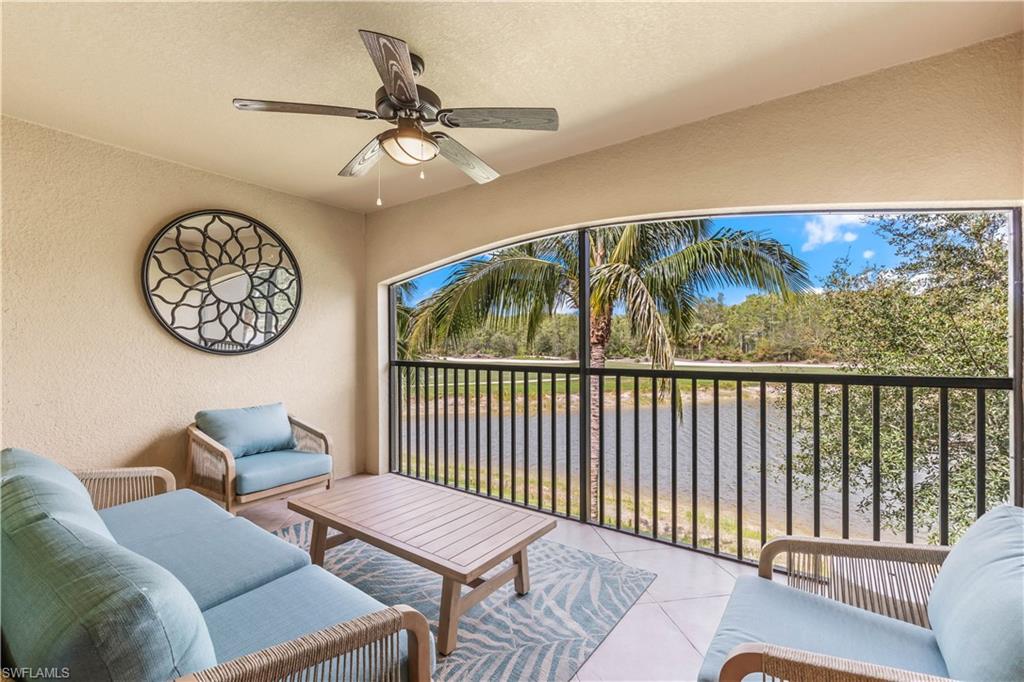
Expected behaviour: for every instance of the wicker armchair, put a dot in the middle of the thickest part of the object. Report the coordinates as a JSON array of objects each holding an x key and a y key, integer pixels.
[
  {"x": 211, "y": 466},
  {"x": 890, "y": 579},
  {"x": 366, "y": 647}
]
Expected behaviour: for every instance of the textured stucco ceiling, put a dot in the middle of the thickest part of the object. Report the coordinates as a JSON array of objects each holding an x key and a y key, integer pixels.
[{"x": 159, "y": 77}]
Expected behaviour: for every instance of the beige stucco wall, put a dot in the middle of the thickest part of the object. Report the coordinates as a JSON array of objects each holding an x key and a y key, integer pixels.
[
  {"x": 942, "y": 131},
  {"x": 89, "y": 376}
]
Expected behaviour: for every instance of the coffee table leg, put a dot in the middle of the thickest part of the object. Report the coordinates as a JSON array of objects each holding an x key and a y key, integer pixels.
[
  {"x": 448, "y": 624},
  {"x": 318, "y": 543},
  {"x": 523, "y": 575}
]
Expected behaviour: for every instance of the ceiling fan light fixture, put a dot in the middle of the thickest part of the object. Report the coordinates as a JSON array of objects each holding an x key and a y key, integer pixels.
[{"x": 408, "y": 144}]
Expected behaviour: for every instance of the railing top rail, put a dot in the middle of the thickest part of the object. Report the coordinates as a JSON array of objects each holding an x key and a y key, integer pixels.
[{"x": 777, "y": 377}]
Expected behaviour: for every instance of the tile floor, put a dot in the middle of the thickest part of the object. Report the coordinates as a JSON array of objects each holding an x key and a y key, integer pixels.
[{"x": 664, "y": 635}]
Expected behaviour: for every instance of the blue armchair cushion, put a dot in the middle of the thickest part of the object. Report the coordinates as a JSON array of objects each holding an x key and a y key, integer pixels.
[
  {"x": 77, "y": 600},
  {"x": 34, "y": 487},
  {"x": 976, "y": 607},
  {"x": 271, "y": 469},
  {"x": 760, "y": 610},
  {"x": 248, "y": 430}
]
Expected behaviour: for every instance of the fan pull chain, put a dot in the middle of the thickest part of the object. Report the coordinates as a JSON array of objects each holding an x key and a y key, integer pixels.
[
  {"x": 422, "y": 174},
  {"x": 379, "y": 202}
]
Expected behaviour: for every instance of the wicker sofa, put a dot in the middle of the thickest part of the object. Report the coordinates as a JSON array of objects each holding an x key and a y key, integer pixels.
[
  {"x": 855, "y": 611},
  {"x": 114, "y": 575}
]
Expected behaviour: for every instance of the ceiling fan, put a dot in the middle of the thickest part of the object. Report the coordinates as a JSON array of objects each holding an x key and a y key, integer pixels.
[{"x": 413, "y": 108}]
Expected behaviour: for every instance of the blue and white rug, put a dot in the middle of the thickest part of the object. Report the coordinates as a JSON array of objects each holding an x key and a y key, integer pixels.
[{"x": 575, "y": 600}]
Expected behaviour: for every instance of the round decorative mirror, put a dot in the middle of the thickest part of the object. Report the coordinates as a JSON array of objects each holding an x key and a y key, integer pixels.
[{"x": 221, "y": 282}]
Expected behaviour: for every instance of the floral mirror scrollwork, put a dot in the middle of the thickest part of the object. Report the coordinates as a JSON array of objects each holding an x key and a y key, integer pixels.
[{"x": 221, "y": 282}]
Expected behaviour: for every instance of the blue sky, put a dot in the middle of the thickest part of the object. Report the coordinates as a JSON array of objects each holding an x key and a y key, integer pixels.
[{"x": 817, "y": 238}]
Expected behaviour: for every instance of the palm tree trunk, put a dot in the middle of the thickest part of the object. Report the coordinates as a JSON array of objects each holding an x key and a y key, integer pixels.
[{"x": 600, "y": 333}]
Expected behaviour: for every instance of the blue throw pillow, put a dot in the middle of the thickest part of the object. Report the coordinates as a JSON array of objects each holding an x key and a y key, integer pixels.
[
  {"x": 976, "y": 607},
  {"x": 248, "y": 430}
]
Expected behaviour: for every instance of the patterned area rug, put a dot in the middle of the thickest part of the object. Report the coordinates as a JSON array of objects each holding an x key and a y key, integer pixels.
[{"x": 575, "y": 600}]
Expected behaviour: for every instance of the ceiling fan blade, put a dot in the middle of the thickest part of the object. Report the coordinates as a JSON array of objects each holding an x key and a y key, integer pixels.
[
  {"x": 391, "y": 57},
  {"x": 467, "y": 162},
  {"x": 517, "y": 118},
  {"x": 299, "y": 108},
  {"x": 366, "y": 159}
]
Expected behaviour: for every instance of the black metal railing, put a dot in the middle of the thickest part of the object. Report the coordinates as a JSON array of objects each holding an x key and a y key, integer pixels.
[{"x": 717, "y": 461}]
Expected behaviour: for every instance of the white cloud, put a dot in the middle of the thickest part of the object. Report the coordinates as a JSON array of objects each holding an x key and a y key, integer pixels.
[
  {"x": 869, "y": 254},
  {"x": 828, "y": 228}
]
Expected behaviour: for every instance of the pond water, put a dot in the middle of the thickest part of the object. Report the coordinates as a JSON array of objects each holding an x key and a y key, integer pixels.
[{"x": 655, "y": 462}]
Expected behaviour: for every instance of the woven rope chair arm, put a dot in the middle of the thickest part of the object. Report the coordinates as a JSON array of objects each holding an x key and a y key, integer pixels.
[
  {"x": 854, "y": 549},
  {"x": 796, "y": 665},
  {"x": 891, "y": 579},
  {"x": 210, "y": 464},
  {"x": 364, "y": 648},
  {"x": 109, "y": 487},
  {"x": 309, "y": 438}
]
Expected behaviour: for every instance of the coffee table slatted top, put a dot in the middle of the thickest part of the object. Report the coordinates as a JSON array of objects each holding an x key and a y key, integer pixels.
[{"x": 452, "y": 533}]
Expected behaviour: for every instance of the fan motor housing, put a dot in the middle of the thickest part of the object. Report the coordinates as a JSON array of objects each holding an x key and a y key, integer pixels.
[{"x": 430, "y": 104}]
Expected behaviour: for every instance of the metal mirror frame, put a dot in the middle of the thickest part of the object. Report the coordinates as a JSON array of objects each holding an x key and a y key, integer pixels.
[{"x": 258, "y": 226}]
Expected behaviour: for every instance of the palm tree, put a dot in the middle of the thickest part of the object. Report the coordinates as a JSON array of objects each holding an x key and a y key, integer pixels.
[
  {"x": 403, "y": 317},
  {"x": 654, "y": 272}
]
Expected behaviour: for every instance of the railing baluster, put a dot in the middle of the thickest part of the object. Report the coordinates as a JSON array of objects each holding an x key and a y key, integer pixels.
[
  {"x": 636, "y": 455},
  {"x": 455, "y": 430},
  {"x": 489, "y": 435},
  {"x": 568, "y": 448},
  {"x": 763, "y": 442},
  {"x": 398, "y": 420},
  {"x": 876, "y": 463},
  {"x": 554, "y": 445},
  {"x": 944, "y": 466},
  {"x": 512, "y": 429},
  {"x": 979, "y": 446},
  {"x": 600, "y": 451},
  {"x": 739, "y": 469},
  {"x": 846, "y": 460},
  {"x": 445, "y": 402},
  {"x": 436, "y": 432},
  {"x": 426, "y": 423},
  {"x": 540, "y": 440},
  {"x": 789, "y": 458},
  {"x": 465, "y": 447},
  {"x": 693, "y": 464},
  {"x": 654, "y": 458},
  {"x": 715, "y": 462},
  {"x": 476, "y": 400},
  {"x": 618, "y": 452},
  {"x": 816, "y": 397},
  {"x": 908, "y": 456},
  {"x": 501, "y": 434},
  {"x": 408, "y": 420},
  {"x": 419, "y": 450},
  {"x": 526, "y": 439},
  {"x": 675, "y": 453}
]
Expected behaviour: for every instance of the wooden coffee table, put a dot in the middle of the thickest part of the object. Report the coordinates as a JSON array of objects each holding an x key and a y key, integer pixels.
[{"x": 454, "y": 534}]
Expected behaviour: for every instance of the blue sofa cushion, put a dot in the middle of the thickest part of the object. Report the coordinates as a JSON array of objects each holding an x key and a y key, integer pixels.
[
  {"x": 248, "y": 430},
  {"x": 976, "y": 607},
  {"x": 34, "y": 488},
  {"x": 271, "y": 469},
  {"x": 763, "y": 611},
  {"x": 223, "y": 559},
  {"x": 161, "y": 515},
  {"x": 77, "y": 600},
  {"x": 294, "y": 605}
]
